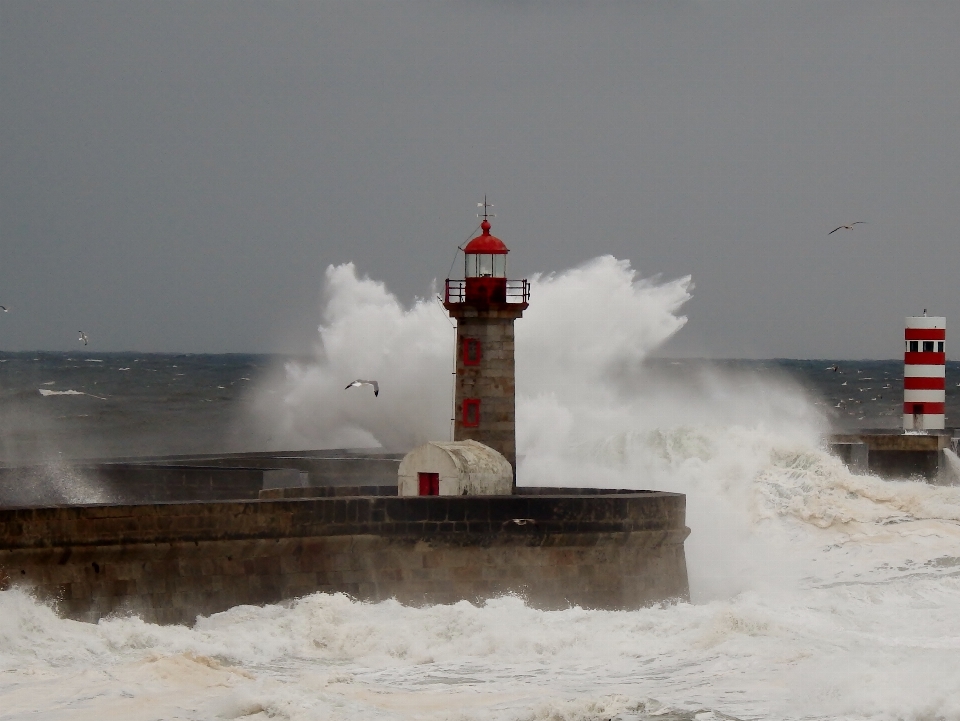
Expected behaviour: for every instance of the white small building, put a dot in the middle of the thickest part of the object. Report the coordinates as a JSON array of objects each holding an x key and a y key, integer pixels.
[{"x": 454, "y": 468}]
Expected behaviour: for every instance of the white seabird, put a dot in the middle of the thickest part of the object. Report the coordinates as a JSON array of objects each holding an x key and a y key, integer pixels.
[
  {"x": 360, "y": 382},
  {"x": 83, "y": 337},
  {"x": 847, "y": 227}
]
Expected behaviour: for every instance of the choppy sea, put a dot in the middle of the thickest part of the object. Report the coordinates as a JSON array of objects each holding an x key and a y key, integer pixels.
[
  {"x": 816, "y": 593},
  {"x": 90, "y": 405},
  {"x": 60, "y": 405}
]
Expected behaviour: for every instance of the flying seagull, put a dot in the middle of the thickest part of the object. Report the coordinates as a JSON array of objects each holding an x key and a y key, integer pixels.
[
  {"x": 83, "y": 336},
  {"x": 359, "y": 382},
  {"x": 4, "y": 308},
  {"x": 847, "y": 227}
]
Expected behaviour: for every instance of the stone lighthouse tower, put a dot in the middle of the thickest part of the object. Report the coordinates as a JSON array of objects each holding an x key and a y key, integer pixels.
[{"x": 485, "y": 305}]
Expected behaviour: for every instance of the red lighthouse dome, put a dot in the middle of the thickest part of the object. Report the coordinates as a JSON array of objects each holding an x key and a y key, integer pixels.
[{"x": 486, "y": 243}]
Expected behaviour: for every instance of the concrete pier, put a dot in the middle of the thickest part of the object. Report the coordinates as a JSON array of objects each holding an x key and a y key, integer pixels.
[
  {"x": 895, "y": 455},
  {"x": 169, "y": 562}
]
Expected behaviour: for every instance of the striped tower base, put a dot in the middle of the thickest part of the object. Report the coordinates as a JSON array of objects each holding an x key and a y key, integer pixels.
[{"x": 924, "y": 373}]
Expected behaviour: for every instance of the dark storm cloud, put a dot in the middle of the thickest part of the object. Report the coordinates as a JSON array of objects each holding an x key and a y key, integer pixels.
[{"x": 175, "y": 176}]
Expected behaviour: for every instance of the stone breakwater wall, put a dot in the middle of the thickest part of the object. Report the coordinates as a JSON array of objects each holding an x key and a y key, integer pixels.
[
  {"x": 169, "y": 562},
  {"x": 187, "y": 478}
]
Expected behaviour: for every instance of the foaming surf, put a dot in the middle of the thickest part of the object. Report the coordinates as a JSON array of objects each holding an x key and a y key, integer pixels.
[
  {"x": 45, "y": 392},
  {"x": 817, "y": 593}
]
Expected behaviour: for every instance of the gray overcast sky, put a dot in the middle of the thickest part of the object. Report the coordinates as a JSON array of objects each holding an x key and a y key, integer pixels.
[{"x": 175, "y": 176}]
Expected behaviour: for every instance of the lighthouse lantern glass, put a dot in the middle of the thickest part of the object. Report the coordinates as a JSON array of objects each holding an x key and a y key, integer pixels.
[{"x": 486, "y": 265}]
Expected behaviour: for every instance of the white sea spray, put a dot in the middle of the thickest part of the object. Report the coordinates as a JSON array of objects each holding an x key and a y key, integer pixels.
[{"x": 817, "y": 593}]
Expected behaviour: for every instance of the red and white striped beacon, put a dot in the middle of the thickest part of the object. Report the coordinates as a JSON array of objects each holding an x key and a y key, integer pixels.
[{"x": 924, "y": 373}]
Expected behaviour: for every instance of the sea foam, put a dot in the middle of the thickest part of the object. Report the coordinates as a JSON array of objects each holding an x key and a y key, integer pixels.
[{"x": 817, "y": 593}]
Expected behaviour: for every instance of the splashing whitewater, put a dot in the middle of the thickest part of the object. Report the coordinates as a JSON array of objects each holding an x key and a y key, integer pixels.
[{"x": 818, "y": 594}]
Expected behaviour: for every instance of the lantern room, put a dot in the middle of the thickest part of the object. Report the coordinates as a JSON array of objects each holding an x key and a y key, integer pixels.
[
  {"x": 485, "y": 268},
  {"x": 485, "y": 256}
]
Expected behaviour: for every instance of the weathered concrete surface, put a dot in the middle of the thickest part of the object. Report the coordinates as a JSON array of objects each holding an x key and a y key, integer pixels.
[
  {"x": 896, "y": 441},
  {"x": 894, "y": 455},
  {"x": 275, "y": 494},
  {"x": 188, "y": 478},
  {"x": 465, "y": 468},
  {"x": 171, "y": 562}
]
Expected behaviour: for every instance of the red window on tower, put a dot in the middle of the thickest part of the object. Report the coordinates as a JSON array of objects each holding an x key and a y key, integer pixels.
[
  {"x": 429, "y": 484},
  {"x": 471, "y": 412},
  {"x": 471, "y": 352}
]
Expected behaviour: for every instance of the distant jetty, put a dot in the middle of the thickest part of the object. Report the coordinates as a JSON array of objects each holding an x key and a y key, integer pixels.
[{"x": 890, "y": 453}]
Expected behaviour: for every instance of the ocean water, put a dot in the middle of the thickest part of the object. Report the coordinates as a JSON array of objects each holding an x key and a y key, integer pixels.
[
  {"x": 57, "y": 406},
  {"x": 62, "y": 406},
  {"x": 816, "y": 593}
]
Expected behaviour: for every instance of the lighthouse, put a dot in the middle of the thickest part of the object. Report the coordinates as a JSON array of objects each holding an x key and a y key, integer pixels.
[
  {"x": 485, "y": 304},
  {"x": 924, "y": 373}
]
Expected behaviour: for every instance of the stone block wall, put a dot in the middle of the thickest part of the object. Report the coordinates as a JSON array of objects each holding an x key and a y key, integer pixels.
[
  {"x": 492, "y": 380},
  {"x": 170, "y": 562}
]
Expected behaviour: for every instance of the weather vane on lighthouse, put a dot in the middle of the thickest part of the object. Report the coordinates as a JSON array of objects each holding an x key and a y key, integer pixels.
[{"x": 485, "y": 215}]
